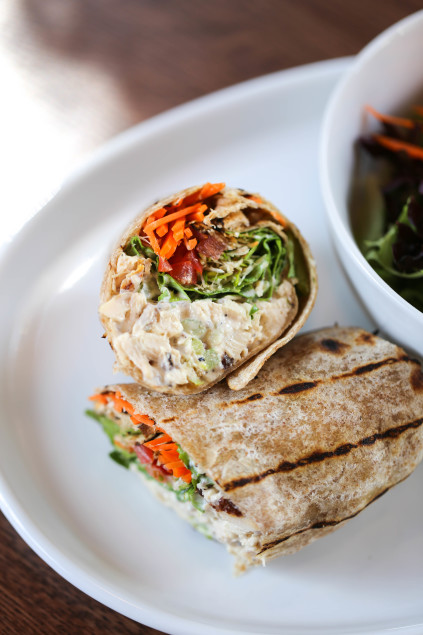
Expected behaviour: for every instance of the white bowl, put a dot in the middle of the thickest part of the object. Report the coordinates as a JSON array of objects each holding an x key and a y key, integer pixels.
[{"x": 387, "y": 74}]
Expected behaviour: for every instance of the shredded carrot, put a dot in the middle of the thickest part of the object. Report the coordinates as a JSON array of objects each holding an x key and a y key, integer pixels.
[
  {"x": 136, "y": 419},
  {"x": 174, "y": 216},
  {"x": 157, "y": 214},
  {"x": 120, "y": 403},
  {"x": 168, "y": 456},
  {"x": 178, "y": 228},
  {"x": 209, "y": 189},
  {"x": 188, "y": 232},
  {"x": 185, "y": 209},
  {"x": 169, "y": 461},
  {"x": 162, "y": 230},
  {"x": 275, "y": 215},
  {"x": 170, "y": 445},
  {"x": 415, "y": 152},
  {"x": 396, "y": 121},
  {"x": 190, "y": 244},
  {"x": 99, "y": 397},
  {"x": 168, "y": 247},
  {"x": 178, "y": 236},
  {"x": 182, "y": 473},
  {"x": 178, "y": 225},
  {"x": 174, "y": 464},
  {"x": 153, "y": 240},
  {"x": 198, "y": 215},
  {"x": 256, "y": 199},
  {"x": 279, "y": 218},
  {"x": 164, "y": 438}
]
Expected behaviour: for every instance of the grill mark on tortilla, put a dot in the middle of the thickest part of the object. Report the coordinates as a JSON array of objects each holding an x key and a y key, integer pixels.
[
  {"x": 360, "y": 370},
  {"x": 254, "y": 397},
  {"x": 300, "y": 387},
  {"x": 227, "y": 506},
  {"x": 368, "y": 368},
  {"x": 318, "y": 457},
  {"x": 416, "y": 378},
  {"x": 323, "y": 524},
  {"x": 334, "y": 346},
  {"x": 365, "y": 338},
  {"x": 168, "y": 420}
]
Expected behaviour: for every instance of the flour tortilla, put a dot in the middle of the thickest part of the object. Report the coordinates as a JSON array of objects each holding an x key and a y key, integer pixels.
[
  {"x": 248, "y": 366},
  {"x": 331, "y": 423}
]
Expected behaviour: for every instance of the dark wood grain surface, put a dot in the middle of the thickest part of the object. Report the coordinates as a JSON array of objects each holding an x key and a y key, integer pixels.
[{"x": 82, "y": 71}]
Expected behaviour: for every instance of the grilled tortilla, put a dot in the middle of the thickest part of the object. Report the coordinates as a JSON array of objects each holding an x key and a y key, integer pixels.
[
  {"x": 332, "y": 422},
  {"x": 200, "y": 283}
]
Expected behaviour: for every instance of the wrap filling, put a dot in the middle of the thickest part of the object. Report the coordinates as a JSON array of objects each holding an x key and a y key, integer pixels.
[{"x": 208, "y": 280}]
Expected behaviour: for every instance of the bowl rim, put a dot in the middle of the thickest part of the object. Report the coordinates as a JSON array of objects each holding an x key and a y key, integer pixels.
[{"x": 339, "y": 226}]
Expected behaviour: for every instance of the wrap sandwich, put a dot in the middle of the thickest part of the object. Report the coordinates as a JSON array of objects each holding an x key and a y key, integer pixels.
[
  {"x": 201, "y": 282},
  {"x": 332, "y": 422}
]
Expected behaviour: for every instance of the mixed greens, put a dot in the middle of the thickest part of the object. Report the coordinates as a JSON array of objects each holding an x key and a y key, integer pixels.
[
  {"x": 390, "y": 226},
  {"x": 398, "y": 255},
  {"x": 252, "y": 270},
  {"x": 111, "y": 429}
]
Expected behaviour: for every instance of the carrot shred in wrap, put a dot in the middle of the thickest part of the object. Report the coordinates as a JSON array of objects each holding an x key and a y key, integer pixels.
[
  {"x": 155, "y": 245},
  {"x": 256, "y": 199},
  {"x": 136, "y": 419},
  {"x": 162, "y": 231},
  {"x": 163, "y": 447},
  {"x": 120, "y": 404},
  {"x": 166, "y": 227},
  {"x": 99, "y": 397},
  {"x": 168, "y": 456},
  {"x": 169, "y": 246}
]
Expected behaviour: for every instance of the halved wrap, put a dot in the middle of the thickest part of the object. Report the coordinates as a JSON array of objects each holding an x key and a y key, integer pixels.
[
  {"x": 201, "y": 282},
  {"x": 332, "y": 422}
]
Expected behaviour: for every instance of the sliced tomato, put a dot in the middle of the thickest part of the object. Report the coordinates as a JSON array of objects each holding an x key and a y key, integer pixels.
[
  {"x": 197, "y": 264},
  {"x": 145, "y": 455},
  {"x": 164, "y": 265},
  {"x": 184, "y": 272},
  {"x": 180, "y": 253},
  {"x": 185, "y": 266}
]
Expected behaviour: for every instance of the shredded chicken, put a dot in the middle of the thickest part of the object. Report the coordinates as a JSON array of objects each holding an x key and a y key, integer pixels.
[{"x": 162, "y": 342}]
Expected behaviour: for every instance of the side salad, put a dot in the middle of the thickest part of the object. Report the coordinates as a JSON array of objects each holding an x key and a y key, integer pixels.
[{"x": 395, "y": 250}]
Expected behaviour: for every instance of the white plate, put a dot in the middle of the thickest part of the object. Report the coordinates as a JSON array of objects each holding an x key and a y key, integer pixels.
[{"x": 90, "y": 519}]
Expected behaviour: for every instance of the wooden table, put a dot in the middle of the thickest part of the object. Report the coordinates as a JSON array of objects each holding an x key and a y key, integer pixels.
[{"x": 75, "y": 73}]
